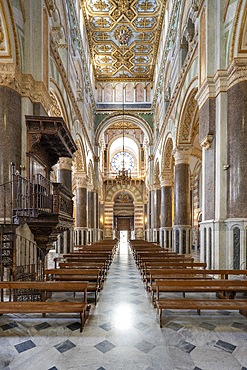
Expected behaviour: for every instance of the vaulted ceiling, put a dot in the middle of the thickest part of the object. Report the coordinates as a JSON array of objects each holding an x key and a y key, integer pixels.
[{"x": 123, "y": 37}]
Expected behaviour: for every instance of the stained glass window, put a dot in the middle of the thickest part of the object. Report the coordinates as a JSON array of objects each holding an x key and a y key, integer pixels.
[{"x": 117, "y": 161}]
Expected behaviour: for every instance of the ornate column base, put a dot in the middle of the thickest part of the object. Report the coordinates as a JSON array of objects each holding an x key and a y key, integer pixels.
[
  {"x": 156, "y": 235},
  {"x": 166, "y": 237},
  {"x": 214, "y": 249},
  {"x": 81, "y": 235},
  {"x": 223, "y": 243},
  {"x": 182, "y": 239}
]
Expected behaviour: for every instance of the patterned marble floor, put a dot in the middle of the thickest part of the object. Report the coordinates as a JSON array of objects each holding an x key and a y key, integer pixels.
[{"x": 122, "y": 332}]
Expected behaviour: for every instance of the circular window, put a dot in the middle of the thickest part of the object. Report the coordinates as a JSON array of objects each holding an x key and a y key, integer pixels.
[{"x": 117, "y": 161}]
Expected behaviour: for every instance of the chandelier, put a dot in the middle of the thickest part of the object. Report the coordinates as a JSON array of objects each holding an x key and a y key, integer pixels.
[
  {"x": 124, "y": 175},
  {"x": 124, "y": 33}
]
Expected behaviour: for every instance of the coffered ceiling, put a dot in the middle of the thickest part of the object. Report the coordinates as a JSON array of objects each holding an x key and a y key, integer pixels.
[{"x": 123, "y": 37}]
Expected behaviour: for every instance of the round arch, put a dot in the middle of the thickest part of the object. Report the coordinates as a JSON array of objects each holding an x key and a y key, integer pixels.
[
  {"x": 115, "y": 117},
  {"x": 110, "y": 194}
]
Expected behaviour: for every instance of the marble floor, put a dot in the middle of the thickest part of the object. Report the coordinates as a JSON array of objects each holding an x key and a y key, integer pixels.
[{"x": 123, "y": 332}]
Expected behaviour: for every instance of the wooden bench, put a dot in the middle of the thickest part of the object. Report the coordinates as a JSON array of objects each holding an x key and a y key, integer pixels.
[
  {"x": 44, "y": 286},
  {"x": 45, "y": 307},
  {"x": 145, "y": 260},
  {"x": 91, "y": 276},
  {"x": 8, "y": 307},
  {"x": 186, "y": 274},
  {"x": 87, "y": 259},
  {"x": 85, "y": 266},
  {"x": 227, "y": 288},
  {"x": 200, "y": 304},
  {"x": 170, "y": 265}
]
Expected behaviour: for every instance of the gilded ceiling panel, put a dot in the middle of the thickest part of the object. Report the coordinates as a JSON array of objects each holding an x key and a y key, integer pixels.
[{"x": 123, "y": 36}]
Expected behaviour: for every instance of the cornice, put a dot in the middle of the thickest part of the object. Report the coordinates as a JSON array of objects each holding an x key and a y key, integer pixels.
[
  {"x": 10, "y": 76},
  {"x": 222, "y": 81},
  {"x": 24, "y": 84},
  {"x": 36, "y": 91}
]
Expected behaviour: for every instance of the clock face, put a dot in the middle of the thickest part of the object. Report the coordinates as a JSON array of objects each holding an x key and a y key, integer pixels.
[{"x": 117, "y": 161}]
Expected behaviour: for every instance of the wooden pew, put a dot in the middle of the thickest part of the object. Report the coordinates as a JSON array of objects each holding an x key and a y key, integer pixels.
[
  {"x": 91, "y": 276},
  {"x": 8, "y": 307},
  {"x": 45, "y": 307},
  {"x": 44, "y": 286},
  {"x": 170, "y": 266},
  {"x": 94, "y": 259},
  {"x": 85, "y": 265},
  {"x": 192, "y": 274},
  {"x": 228, "y": 289}
]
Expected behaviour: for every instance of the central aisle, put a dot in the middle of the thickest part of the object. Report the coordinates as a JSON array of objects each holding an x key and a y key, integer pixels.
[{"x": 123, "y": 326}]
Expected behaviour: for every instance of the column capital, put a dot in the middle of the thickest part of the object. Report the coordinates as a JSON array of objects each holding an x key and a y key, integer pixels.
[
  {"x": 156, "y": 186},
  {"x": 182, "y": 155},
  {"x": 64, "y": 163},
  {"x": 81, "y": 180},
  {"x": 166, "y": 179}
]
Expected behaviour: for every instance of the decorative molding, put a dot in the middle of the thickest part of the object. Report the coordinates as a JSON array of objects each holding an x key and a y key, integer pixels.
[
  {"x": 25, "y": 85},
  {"x": 80, "y": 180},
  {"x": 36, "y": 91},
  {"x": 64, "y": 163},
  {"x": 182, "y": 155},
  {"x": 166, "y": 178},
  {"x": 207, "y": 141},
  {"x": 10, "y": 76},
  {"x": 223, "y": 80}
]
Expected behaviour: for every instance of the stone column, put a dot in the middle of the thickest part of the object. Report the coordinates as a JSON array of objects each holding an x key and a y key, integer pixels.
[
  {"x": 91, "y": 213},
  {"x": 166, "y": 209},
  {"x": 64, "y": 173},
  {"x": 156, "y": 213},
  {"x": 81, "y": 229},
  {"x": 64, "y": 176},
  {"x": 182, "y": 211},
  {"x": 149, "y": 216},
  {"x": 10, "y": 142}
]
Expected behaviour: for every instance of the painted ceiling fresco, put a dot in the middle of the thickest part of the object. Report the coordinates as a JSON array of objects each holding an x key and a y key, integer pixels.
[{"x": 123, "y": 37}]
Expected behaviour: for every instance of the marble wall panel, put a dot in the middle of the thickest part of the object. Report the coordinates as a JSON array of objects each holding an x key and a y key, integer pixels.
[
  {"x": 207, "y": 119},
  {"x": 237, "y": 151},
  {"x": 209, "y": 184}
]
